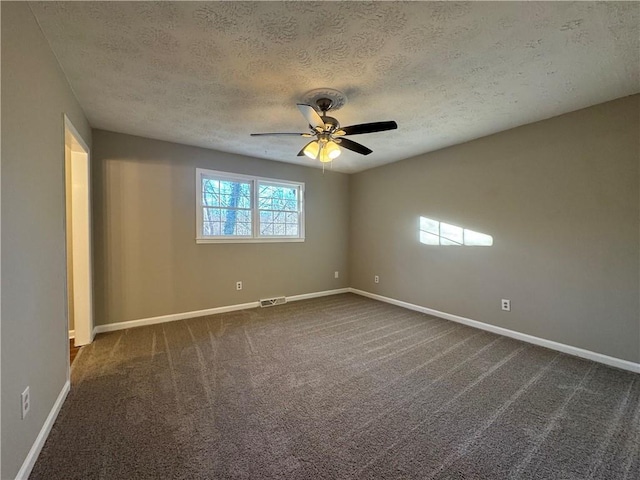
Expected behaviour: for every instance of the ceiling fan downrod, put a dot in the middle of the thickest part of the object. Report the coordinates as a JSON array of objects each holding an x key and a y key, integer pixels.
[{"x": 324, "y": 105}]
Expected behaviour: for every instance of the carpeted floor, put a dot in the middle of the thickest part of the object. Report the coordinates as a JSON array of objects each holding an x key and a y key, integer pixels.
[{"x": 339, "y": 387}]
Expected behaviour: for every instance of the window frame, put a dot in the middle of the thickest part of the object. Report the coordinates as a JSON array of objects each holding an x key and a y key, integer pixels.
[{"x": 254, "y": 182}]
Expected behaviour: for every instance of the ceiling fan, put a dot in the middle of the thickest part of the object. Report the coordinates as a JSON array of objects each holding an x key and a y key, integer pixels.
[{"x": 329, "y": 135}]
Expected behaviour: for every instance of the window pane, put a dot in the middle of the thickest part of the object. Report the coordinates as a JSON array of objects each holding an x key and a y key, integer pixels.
[
  {"x": 211, "y": 228},
  {"x": 226, "y": 193},
  {"x": 291, "y": 203},
  {"x": 243, "y": 228},
  {"x": 279, "y": 214},
  {"x": 211, "y": 214},
  {"x": 292, "y": 230},
  {"x": 210, "y": 192},
  {"x": 277, "y": 197},
  {"x": 292, "y": 218},
  {"x": 266, "y": 229},
  {"x": 226, "y": 221},
  {"x": 279, "y": 229}
]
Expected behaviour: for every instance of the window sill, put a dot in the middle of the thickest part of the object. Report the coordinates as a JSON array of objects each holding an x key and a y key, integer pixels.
[{"x": 249, "y": 240}]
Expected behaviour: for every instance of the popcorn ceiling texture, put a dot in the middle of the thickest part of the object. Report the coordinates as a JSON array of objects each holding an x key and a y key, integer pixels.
[{"x": 211, "y": 73}]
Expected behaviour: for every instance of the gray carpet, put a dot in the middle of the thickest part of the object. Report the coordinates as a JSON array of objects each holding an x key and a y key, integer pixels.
[{"x": 339, "y": 387}]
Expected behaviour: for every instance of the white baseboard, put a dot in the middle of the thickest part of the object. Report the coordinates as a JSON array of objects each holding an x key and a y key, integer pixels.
[
  {"x": 32, "y": 456},
  {"x": 326, "y": 293},
  {"x": 72, "y": 334},
  {"x": 560, "y": 347},
  {"x": 111, "y": 327}
]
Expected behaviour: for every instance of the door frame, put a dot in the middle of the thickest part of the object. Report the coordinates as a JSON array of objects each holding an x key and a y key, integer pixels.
[{"x": 78, "y": 154}]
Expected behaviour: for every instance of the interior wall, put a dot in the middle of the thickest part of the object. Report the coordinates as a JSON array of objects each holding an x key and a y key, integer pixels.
[
  {"x": 35, "y": 95},
  {"x": 146, "y": 260},
  {"x": 559, "y": 197}
]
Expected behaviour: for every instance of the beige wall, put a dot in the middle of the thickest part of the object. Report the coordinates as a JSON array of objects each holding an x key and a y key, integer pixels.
[
  {"x": 35, "y": 95},
  {"x": 145, "y": 257},
  {"x": 559, "y": 197}
]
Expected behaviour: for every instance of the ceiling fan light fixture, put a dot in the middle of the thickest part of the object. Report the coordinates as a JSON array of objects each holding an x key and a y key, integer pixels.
[
  {"x": 324, "y": 156},
  {"x": 312, "y": 150},
  {"x": 332, "y": 149}
]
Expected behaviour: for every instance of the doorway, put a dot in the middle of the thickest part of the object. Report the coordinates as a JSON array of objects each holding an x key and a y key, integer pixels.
[{"x": 78, "y": 236}]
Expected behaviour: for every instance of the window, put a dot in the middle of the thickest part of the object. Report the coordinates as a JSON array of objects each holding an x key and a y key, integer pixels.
[
  {"x": 242, "y": 208},
  {"x": 434, "y": 232}
]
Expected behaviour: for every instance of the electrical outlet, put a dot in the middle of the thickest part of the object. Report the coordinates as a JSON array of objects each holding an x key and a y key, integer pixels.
[
  {"x": 376, "y": 279},
  {"x": 336, "y": 274},
  {"x": 238, "y": 285},
  {"x": 506, "y": 305},
  {"x": 25, "y": 401}
]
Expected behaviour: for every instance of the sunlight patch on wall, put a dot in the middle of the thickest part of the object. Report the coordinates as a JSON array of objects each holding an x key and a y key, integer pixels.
[{"x": 434, "y": 232}]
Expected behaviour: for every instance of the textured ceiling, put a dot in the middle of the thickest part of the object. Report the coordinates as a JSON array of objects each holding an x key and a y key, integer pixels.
[{"x": 210, "y": 73}]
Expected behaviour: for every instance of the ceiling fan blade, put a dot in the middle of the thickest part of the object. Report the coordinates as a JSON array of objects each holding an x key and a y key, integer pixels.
[
  {"x": 354, "y": 146},
  {"x": 312, "y": 117},
  {"x": 284, "y": 133},
  {"x": 369, "y": 127}
]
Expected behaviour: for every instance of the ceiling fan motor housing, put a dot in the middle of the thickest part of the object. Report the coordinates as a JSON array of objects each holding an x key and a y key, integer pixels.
[
  {"x": 324, "y": 104},
  {"x": 330, "y": 124}
]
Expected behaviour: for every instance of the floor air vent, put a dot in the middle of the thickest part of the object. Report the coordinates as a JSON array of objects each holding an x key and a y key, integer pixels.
[{"x": 268, "y": 302}]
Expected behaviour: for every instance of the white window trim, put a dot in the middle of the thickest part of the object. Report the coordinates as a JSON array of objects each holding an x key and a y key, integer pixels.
[{"x": 255, "y": 220}]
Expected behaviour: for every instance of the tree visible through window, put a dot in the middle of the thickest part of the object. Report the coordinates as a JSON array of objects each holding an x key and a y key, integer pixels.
[
  {"x": 242, "y": 208},
  {"x": 226, "y": 207},
  {"x": 278, "y": 210}
]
